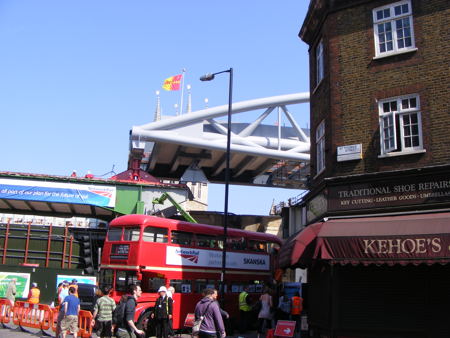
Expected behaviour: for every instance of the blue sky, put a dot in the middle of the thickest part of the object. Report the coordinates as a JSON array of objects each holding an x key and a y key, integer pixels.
[{"x": 75, "y": 76}]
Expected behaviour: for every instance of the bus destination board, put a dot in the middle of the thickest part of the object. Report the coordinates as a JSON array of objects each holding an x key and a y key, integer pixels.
[{"x": 120, "y": 251}]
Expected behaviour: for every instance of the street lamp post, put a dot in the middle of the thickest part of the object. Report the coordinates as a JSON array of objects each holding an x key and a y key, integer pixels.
[{"x": 209, "y": 77}]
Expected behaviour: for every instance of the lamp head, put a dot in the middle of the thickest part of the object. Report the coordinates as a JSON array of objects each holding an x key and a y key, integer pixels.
[{"x": 207, "y": 77}]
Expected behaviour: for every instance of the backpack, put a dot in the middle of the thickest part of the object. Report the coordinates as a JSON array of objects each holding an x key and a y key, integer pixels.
[{"x": 118, "y": 316}]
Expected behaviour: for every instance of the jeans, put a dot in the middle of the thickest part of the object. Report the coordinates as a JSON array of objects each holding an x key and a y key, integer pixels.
[{"x": 124, "y": 334}]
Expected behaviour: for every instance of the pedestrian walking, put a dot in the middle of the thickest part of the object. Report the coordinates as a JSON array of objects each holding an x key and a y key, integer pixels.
[
  {"x": 162, "y": 313},
  {"x": 125, "y": 325},
  {"x": 208, "y": 310},
  {"x": 296, "y": 310},
  {"x": 118, "y": 313},
  {"x": 244, "y": 310},
  {"x": 70, "y": 311},
  {"x": 34, "y": 294},
  {"x": 103, "y": 313},
  {"x": 265, "y": 314},
  {"x": 11, "y": 291},
  {"x": 284, "y": 307},
  {"x": 63, "y": 292}
]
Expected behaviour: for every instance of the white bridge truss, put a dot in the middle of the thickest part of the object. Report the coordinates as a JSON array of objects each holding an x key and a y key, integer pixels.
[{"x": 261, "y": 154}]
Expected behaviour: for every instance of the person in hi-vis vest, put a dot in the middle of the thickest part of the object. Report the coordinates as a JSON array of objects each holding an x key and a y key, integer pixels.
[
  {"x": 244, "y": 310},
  {"x": 296, "y": 310},
  {"x": 34, "y": 294},
  {"x": 74, "y": 285}
]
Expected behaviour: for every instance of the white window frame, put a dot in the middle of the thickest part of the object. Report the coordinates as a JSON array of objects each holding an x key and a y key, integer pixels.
[
  {"x": 392, "y": 126},
  {"x": 320, "y": 71},
  {"x": 320, "y": 147},
  {"x": 390, "y": 17}
]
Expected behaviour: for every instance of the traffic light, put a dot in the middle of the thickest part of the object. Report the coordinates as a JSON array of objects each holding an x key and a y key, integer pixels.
[{"x": 86, "y": 253}]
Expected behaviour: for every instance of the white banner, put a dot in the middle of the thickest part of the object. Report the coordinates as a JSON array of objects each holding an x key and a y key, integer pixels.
[
  {"x": 59, "y": 192},
  {"x": 80, "y": 279},
  {"x": 213, "y": 259}
]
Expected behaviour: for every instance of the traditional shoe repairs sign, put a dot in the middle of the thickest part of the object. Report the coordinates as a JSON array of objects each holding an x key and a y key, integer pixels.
[{"x": 387, "y": 193}]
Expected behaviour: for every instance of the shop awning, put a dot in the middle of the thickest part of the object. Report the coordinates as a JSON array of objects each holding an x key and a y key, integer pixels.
[
  {"x": 409, "y": 239},
  {"x": 298, "y": 249}
]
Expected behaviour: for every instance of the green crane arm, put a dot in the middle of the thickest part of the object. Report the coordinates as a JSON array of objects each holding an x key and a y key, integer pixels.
[{"x": 183, "y": 212}]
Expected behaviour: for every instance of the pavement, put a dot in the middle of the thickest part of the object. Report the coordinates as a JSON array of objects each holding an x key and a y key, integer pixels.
[{"x": 13, "y": 331}]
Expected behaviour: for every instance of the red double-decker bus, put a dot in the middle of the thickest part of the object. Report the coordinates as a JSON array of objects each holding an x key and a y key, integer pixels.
[{"x": 154, "y": 252}]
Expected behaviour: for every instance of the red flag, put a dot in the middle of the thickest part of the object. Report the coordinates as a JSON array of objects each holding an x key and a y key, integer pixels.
[{"x": 173, "y": 82}]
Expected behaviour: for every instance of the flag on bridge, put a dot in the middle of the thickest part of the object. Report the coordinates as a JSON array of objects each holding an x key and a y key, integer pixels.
[{"x": 173, "y": 82}]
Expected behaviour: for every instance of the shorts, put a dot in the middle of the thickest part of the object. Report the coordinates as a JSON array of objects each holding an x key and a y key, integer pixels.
[{"x": 70, "y": 323}]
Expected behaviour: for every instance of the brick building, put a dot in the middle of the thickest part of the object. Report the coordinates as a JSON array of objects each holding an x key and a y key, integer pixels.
[{"x": 376, "y": 237}]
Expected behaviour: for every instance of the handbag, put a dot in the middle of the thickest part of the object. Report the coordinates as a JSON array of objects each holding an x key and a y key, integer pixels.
[
  {"x": 198, "y": 322},
  {"x": 257, "y": 306}
]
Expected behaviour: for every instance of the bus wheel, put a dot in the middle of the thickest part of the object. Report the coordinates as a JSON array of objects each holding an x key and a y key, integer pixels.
[{"x": 145, "y": 323}]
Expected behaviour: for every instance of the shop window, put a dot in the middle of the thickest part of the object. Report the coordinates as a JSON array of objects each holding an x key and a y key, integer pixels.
[
  {"x": 131, "y": 234},
  {"x": 182, "y": 238},
  {"x": 154, "y": 234},
  {"x": 114, "y": 234},
  {"x": 393, "y": 28},
  {"x": 400, "y": 125}
]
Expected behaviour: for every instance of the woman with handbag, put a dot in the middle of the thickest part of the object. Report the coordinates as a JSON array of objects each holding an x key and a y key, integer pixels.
[
  {"x": 208, "y": 319},
  {"x": 265, "y": 315}
]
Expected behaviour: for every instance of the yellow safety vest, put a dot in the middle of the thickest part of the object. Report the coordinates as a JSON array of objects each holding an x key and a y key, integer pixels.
[
  {"x": 34, "y": 297},
  {"x": 243, "y": 306}
]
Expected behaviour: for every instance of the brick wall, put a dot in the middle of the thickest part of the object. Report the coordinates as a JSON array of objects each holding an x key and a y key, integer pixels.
[{"x": 354, "y": 81}]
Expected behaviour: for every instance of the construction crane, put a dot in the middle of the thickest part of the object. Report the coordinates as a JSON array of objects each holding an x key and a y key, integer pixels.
[{"x": 166, "y": 196}]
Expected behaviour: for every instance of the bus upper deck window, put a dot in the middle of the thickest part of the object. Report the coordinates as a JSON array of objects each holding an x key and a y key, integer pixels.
[
  {"x": 114, "y": 234},
  {"x": 182, "y": 237},
  {"x": 257, "y": 246},
  {"x": 274, "y": 248},
  {"x": 131, "y": 234},
  {"x": 262, "y": 247},
  {"x": 153, "y": 234},
  {"x": 236, "y": 243},
  {"x": 206, "y": 241}
]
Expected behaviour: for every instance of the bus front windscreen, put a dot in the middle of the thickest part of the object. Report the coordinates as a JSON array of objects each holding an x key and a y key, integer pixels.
[{"x": 106, "y": 278}]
